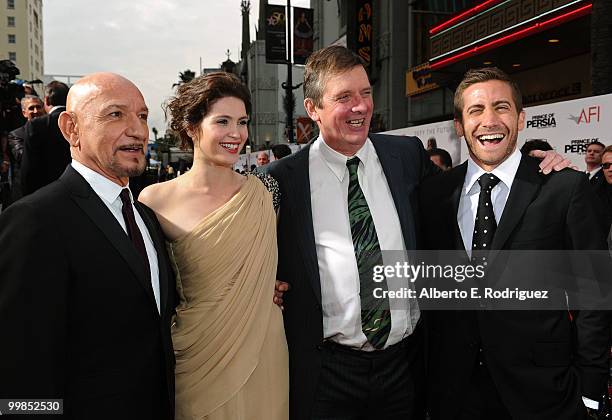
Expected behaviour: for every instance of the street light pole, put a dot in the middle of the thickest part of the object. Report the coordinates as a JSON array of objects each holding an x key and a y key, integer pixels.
[
  {"x": 289, "y": 102},
  {"x": 289, "y": 84}
]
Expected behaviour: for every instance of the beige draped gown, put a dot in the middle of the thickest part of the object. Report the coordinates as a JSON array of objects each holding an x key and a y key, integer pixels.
[{"x": 229, "y": 341}]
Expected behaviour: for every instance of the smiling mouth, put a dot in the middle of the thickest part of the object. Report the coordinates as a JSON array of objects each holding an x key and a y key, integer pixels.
[
  {"x": 490, "y": 138},
  {"x": 131, "y": 148},
  {"x": 232, "y": 147},
  {"x": 356, "y": 123}
]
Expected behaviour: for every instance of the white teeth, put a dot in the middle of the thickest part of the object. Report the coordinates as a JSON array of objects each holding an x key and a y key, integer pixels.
[
  {"x": 229, "y": 146},
  {"x": 491, "y": 137},
  {"x": 356, "y": 123}
]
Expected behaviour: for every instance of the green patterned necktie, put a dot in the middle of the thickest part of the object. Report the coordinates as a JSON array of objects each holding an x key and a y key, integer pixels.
[{"x": 375, "y": 315}]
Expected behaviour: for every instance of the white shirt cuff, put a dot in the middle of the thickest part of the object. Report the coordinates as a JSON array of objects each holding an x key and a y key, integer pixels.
[{"x": 590, "y": 403}]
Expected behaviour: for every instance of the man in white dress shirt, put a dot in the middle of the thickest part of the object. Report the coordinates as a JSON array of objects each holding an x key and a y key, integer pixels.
[
  {"x": 87, "y": 291},
  {"x": 348, "y": 359},
  {"x": 592, "y": 158}
]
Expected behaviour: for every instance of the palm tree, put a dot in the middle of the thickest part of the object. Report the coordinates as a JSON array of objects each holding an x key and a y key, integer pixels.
[{"x": 184, "y": 77}]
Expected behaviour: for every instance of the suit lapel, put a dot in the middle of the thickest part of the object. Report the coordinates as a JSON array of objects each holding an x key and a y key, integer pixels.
[
  {"x": 392, "y": 168},
  {"x": 301, "y": 209},
  {"x": 525, "y": 187},
  {"x": 100, "y": 215},
  {"x": 456, "y": 179}
]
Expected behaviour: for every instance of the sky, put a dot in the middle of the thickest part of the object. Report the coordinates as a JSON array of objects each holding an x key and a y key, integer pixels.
[{"x": 147, "y": 41}]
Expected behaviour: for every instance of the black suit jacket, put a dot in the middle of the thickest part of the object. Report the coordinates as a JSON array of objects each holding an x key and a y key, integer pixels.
[
  {"x": 15, "y": 143},
  {"x": 541, "y": 362},
  {"x": 404, "y": 164},
  {"x": 46, "y": 153},
  {"x": 15, "y": 146},
  {"x": 77, "y": 311},
  {"x": 603, "y": 191},
  {"x": 598, "y": 178}
]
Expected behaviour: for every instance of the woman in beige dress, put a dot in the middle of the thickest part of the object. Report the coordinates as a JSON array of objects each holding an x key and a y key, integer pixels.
[{"x": 229, "y": 341}]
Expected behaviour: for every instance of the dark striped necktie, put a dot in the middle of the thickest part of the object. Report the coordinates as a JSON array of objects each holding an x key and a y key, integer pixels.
[{"x": 375, "y": 315}]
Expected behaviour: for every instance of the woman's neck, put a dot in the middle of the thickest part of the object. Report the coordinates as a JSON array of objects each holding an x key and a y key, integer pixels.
[{"x": 210, "y": 176}]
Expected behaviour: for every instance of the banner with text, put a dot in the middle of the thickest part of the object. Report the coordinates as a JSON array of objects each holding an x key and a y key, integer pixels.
[
  {"x": 276, "y": 30},
  {"x": 569, "y": 127}
]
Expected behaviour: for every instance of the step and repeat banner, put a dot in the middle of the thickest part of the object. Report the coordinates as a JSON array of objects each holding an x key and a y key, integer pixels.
[{"x": 568, "y": 126}]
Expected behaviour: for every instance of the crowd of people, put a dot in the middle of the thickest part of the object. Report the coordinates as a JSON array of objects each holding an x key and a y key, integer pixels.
[
  {"x": 36, "y": 153},
  {"x": 217, "y": 295}
]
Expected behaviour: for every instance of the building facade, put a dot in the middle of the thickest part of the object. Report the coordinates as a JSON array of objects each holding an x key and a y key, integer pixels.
[
  {"x": 21, "y": 36},
  {"x": 420, "y": 49}
]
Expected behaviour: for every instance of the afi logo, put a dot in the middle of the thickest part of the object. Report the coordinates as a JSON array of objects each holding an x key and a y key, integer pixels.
[{"x": 592, "y": 112}]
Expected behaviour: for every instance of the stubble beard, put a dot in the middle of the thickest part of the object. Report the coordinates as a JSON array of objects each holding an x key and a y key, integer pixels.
[
  {"x": 122, "y": 171},
  {"x": 481, "y": 158}
]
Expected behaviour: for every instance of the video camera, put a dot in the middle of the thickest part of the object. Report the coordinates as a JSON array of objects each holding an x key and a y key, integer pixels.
[{"x": 10, "y": 95}]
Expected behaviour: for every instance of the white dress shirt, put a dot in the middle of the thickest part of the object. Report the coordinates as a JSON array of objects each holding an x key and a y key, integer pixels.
[
  {"x": 593, "y": 172},
  {"x": 109, "y": 192},
  {"x": 468, "y": 203},
  {"x": 340, "y": 285}
]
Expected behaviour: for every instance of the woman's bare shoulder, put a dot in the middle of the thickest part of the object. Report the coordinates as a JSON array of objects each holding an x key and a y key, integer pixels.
[{"x": 156, "y": 196}]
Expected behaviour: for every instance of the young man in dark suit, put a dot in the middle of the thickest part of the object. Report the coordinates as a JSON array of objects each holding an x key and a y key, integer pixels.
[
  {"x": 87, "y": 291},
  {"x": 45, "y": 152},
  {"x": 592, "y": 158},
  {"x": 509, "y": 364}
]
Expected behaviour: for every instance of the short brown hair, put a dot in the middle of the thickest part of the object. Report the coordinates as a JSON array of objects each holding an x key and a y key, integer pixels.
[
  {"x": 485, "y": 74},
  {"x": 596, "y": 143},
  {"x": 56, "y": 93},
  {"x": 324, "y": 63},
  {"x": 608, "y": 149},
  {"x": 194, "y": 99}
]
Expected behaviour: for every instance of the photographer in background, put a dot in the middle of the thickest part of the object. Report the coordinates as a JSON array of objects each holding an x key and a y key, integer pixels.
[{"x": 10, "y": 118}]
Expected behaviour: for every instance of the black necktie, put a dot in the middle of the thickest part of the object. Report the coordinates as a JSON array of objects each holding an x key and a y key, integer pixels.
[
  {"x": 375, "y": 317},
  {"x": 132, "y": 227},
  {"x": 485, "y": 224}
]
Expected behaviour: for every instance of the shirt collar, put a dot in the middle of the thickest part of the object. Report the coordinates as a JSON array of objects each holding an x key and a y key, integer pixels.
[
  {"x": 104, "y": 187},
  {"x": 56, "y": 107},
  {"x": 336, "y": 161},
  {"x": 506, "y": 172},
  {"x": 593, "y": 172}
]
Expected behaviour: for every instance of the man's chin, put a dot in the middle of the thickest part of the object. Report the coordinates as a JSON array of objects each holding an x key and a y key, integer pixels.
[{"x": 130, "y": 171}]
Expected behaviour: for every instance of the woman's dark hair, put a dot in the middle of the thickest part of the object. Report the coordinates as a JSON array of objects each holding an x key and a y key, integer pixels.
[{"x": 194, "y": 99}]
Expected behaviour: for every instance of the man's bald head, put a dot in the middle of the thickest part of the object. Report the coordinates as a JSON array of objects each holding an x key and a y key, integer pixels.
[
  {"x": 91, "y": 86},
  {"x": 105, "y": 123}
]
